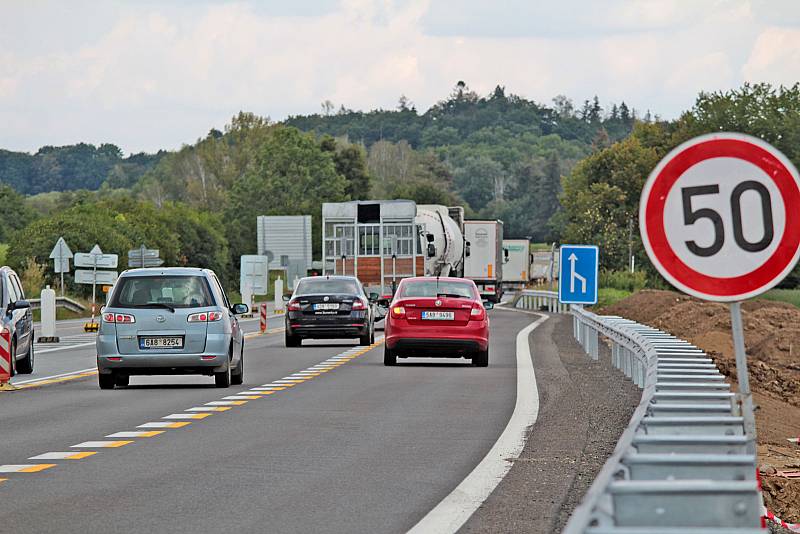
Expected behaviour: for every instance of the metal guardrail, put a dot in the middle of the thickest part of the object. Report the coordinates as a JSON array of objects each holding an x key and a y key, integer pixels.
[
  {"x": 61, "y": 302},
  {"x": 683, "y": 464},
  {"x": 539, "y": 300}
]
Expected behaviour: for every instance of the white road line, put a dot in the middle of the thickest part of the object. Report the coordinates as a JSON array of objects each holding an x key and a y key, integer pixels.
[
  {"x": 185, "y": 416},
  {"x": 79, "y": 345},
  {"x": 58, "y": 455},
  {"x": 132, "y": 434},
  {"x": 238, "y": 397},
  {"x": 157, "y": 424},
  {"x": 98, "y": 444},
  {"x": 10, "y": 468},
  {"x": 32, "y": 380},
  {"x": 453, "y": 511}
]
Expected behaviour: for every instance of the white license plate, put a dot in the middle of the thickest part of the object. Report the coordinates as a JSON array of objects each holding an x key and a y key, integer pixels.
[
  {"x": 326, "y": 306},
  {"x": 438, "y": 315},
  {"x": 171, "y": 342}
]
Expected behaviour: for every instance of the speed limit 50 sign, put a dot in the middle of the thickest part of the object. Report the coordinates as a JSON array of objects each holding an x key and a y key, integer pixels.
[{"x": 720, "y": 216}]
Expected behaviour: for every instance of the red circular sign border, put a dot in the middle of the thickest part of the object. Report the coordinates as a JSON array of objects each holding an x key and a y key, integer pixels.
[{"x": 667, "y": 173}]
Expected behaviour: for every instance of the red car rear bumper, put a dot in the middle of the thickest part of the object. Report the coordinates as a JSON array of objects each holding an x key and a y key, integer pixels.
[{"x": 437, "y": 341}]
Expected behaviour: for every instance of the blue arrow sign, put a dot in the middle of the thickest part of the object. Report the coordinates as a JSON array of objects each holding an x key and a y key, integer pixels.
[{"x": 577, "y": 283}]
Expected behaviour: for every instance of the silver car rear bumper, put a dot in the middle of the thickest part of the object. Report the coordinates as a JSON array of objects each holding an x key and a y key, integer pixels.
[{"x": 213, "y": 359}]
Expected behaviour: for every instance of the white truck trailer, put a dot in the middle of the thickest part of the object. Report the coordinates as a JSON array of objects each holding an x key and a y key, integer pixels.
[
  {"x": 516, "y": 271},
  {"x": 484, "y": 261}
]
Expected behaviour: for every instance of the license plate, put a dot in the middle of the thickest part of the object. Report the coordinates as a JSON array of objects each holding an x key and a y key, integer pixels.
[
  {"x": 438, "y": 315},
  {"x": 326, "y": 306},
  {"x": 161, "y": 342}
]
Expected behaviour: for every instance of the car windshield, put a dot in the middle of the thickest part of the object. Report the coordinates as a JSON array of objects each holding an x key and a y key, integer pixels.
[
  {"x": 161, "y": 291},
  {"x": 433, "y": 288},
  {"x": 326, "y": 286}
]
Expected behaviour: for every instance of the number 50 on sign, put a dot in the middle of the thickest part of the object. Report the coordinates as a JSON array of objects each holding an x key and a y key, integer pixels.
[{"x": 720, "y": 216}]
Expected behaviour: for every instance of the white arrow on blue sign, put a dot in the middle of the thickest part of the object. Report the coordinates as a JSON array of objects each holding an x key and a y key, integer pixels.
[{"x": 578, "y": 266}]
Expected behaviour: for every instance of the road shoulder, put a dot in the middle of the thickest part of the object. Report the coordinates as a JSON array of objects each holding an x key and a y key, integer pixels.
[{"x": 583, "y": 408}]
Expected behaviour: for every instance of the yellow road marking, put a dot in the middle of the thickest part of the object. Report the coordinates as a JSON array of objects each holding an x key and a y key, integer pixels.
[
  {"x": 81, "y": 455},
  {"x": 179, "y": 424},
  {"x": 151, "y": 433},
  {"x": 249, "y": 397},
  {"x": 121, "y": 443},
  {"x": 36, "y": 468}
]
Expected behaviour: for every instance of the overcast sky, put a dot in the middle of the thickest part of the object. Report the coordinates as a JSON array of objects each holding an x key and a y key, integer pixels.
[{"x": 150, "y": 74}]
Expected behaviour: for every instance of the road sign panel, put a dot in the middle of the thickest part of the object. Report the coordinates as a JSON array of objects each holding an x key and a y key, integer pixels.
[
  {"x": 61, "y": 255},
  {"x": 144, "y": 257},
  {"x": 719, "y": 219},
  {"x": 104, "y": 261},
  {"x": 578, "y": 267},
  {"x": 87, "y": 276}
]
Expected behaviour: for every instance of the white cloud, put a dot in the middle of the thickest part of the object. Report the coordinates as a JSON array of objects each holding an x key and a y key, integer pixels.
[
  {"x": 775, "y": 57},
  {"x": 152, "y": 75}
]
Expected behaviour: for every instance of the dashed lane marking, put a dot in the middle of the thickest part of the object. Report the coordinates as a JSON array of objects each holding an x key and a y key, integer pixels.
[
  {"x": 184, "y": 419},
  {"x": 25, "y": 468},
  {"x": 136, "y": 434},
  {"x": 102, "y": 444},
  {"x": 187, "y": 416},
  {"x": 165, "y": 424},
  {"x": 63, "y": 455}
]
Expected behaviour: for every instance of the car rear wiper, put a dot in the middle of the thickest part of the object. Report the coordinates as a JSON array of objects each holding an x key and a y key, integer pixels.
[
  {"x": 157, "y": 304},
  {"x": 451, "y": 295}
]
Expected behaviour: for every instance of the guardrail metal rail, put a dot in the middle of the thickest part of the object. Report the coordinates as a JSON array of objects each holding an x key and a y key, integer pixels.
[{"x": 683, "y": 464}]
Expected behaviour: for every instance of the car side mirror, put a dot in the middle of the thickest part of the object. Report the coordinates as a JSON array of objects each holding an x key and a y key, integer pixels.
[
  {"x": 431, "y": 250},
  {"x": 488, "y": 305},
  {"x": 373, "y": 297},
  {"x": 18, "y": 305},
  {"x": 429, "y": 237},
  {"x": 505, "y": 255},
  {"x": 286, "y": 298},
  {"x": 240, "y": 309}
]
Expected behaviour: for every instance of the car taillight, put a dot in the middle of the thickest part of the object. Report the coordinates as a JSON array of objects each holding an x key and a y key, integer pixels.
[
  {"x": 204, "y": 317},
  {"x": 477, "y": 312},
  {"x": 358, "y": 304},
  {"x": 294, "y": 305},
  {"x": 398, "y": 311},
  {"x": 122, "y": 318}
]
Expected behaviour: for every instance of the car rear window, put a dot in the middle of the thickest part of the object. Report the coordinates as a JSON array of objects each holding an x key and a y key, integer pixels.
[
  {"x": 329, "y": 286},
  {"x": 175, "y": 291},
  {"x": 433, "y": 288}
]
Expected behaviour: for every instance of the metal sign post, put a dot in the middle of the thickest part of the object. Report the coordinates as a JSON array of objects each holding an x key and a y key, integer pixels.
[
  {"x": 61, "y": 255},
  {"x": 745, "y": 395}
]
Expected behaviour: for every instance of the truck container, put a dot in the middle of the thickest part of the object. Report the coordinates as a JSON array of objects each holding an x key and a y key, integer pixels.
[
  {"x": 484, "y": 257},
  {"x": 377, "y": 241},
  {"x": 516, "y": 271}
]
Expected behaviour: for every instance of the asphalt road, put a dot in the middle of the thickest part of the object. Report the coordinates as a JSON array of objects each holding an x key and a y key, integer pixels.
[{"x": 339, "y": 444}]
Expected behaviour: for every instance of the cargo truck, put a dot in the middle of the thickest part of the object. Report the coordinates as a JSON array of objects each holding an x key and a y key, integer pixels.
[
  {"x": 516, "y": 271},
  {"x": 484, "y": 257}
]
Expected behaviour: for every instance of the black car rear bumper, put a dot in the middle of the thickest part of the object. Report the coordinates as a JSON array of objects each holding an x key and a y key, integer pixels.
[{"x": 327, "y": 331}]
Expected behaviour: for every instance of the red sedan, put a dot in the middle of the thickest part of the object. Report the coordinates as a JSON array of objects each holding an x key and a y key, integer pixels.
[{"x": 437, "y": 317}]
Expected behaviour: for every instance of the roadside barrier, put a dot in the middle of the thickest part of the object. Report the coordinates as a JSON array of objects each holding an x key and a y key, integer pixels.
[
  {"x": 5, "y": 359},
  {"x": 539, "y": 300},
  {"x": 683, "y": 464},
  {"x": 794, "y": 527},
  {"x": 262, "y": 317}
]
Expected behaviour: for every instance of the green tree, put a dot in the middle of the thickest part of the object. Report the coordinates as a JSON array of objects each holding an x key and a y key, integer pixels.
[{"x": 14, "y": 212}]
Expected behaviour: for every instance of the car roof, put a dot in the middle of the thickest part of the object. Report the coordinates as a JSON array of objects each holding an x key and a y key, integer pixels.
[
  {"x": 435, "y": 278},
  {"x": 166, "y": 271}
]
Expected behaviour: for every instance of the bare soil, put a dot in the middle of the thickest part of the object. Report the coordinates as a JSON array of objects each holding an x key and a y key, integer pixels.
[{"x": 772, "y": 342}]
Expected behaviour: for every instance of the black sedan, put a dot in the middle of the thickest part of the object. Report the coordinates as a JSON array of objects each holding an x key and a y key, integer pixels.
[{"x": 329, "y": 307}]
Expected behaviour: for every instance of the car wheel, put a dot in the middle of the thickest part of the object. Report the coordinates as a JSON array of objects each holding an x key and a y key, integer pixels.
[
  {"x": 481, "y": 358},
  {"x": 106, "y": 380},
  {"x": 121, "y": 379},
  {"x": 238, "y": 377},
  {"x": 25, "y": 365},
  {"x": 389, "y": 356},
  {"x": 365, "y": 339},
  {"x": 223, "y": 379},
  {"x": 292, "y": 341}
]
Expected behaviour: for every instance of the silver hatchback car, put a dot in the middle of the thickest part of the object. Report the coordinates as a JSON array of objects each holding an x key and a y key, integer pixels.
[{"x": 174, "y": 320}]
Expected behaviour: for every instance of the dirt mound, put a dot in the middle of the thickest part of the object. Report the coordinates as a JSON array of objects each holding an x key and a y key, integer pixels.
[{"x": 772, "y": 341}]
